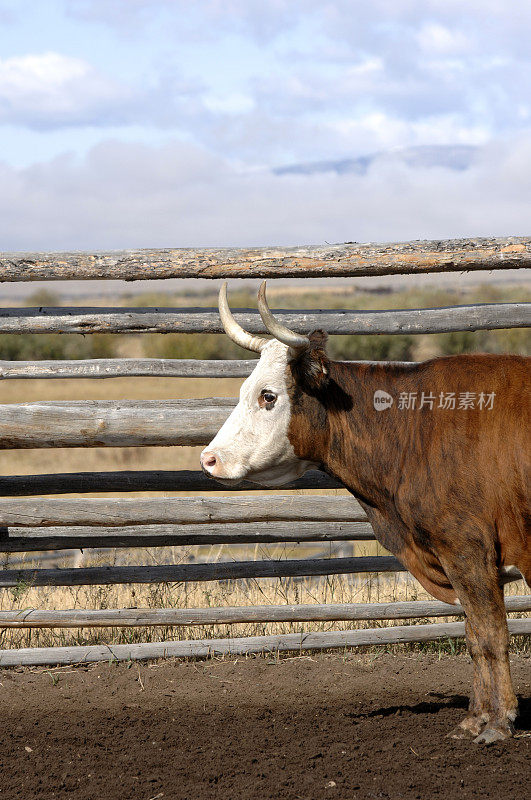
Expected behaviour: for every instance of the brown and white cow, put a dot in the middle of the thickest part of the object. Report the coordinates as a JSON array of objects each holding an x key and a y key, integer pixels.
[{"x": 437, "y": 453}]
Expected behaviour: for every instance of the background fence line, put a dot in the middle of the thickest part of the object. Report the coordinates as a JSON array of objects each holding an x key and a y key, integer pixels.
[{"x": 37, "y": 525}]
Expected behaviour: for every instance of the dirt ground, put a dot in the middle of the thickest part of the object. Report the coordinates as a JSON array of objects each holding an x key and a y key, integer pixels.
[{"x": 325, "y": 726}]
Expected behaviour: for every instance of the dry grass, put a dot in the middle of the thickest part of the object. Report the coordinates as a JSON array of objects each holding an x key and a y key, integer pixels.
[{"x": 330, "y": 589}]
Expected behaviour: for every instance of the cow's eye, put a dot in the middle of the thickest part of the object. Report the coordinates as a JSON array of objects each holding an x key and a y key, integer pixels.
[{"x": 267, "y": 399}]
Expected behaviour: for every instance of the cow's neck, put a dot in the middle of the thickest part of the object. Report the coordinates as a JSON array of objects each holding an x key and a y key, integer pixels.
[{"x": 339, "y": 429}]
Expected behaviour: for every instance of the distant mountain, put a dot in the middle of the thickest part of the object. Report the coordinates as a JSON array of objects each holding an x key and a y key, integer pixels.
[{"x": 452, "y": 156}]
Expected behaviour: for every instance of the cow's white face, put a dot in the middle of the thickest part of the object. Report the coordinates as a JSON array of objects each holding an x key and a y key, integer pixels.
[{"x": 253, "y": 443}]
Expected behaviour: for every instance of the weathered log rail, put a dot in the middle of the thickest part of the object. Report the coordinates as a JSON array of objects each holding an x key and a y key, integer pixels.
[
  {"x": 36, "y": 525},
  {"x": 127, "y": 368},
  {"x": 118, "y": 512},
  {"x": 142, "y": 481},
  {"x": 181, "y": 573},
  {"x": 481, "y": 316},
  {"x": 135, "y": 368},
  {"x": 281, "y": 643},
  {"x": 339, "y": 260},
  {"x": 89, "y": 423},
  {"x": 22, "y": 540},
  {"x": 315, "y": 612}
]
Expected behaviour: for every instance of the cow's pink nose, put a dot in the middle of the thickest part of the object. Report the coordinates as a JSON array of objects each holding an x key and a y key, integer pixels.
[{"x": 208, "y": 460}]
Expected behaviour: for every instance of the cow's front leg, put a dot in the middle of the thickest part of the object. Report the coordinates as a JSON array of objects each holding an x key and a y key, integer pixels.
[
  {"x": 474, "y": 722},
  {"x": 493, "y": 705},
  {"x": 494, "y": 701},
  {"x": 480, "y": 723}
]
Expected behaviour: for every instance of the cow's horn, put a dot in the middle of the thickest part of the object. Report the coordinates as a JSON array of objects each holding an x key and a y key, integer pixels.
[
  {"x": 279, "y": 331},
  {"x": 233, "y": 330}
]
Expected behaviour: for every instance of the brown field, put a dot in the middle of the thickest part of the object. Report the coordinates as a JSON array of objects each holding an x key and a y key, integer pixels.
[{"x": 339, "y": 726}]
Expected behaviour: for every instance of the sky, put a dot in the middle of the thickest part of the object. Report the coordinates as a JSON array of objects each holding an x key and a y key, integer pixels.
[{"x": 159, "y": 123}]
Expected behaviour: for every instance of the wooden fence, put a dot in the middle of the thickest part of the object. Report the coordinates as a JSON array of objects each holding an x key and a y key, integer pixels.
[{"x": 32, "y": 525}]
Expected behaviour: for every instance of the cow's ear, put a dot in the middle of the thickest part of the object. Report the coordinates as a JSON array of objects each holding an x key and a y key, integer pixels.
[{"x": 311, "y": 366}]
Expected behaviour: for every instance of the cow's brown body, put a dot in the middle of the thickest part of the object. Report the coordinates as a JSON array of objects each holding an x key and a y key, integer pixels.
[
  {"x": 446, "y": 490},
  {"x": 445, "y": 485}
]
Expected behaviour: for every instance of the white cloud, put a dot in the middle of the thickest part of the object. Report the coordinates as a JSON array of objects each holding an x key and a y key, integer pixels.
[
  {"x": 355, "y": 21},
  {"x": 229, "y": 103},
  {"x": 436, "y": 38},
  {"x": 377, "y": 131},
  {"x": 126, "y": 196},
  {"x": 202, "y": 18},
  {"x": 47, "y": 90},
  {"x": 332, "y": 78}
]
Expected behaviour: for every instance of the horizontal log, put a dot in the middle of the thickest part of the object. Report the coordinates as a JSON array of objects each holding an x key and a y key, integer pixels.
[
  {"x": 128, "y": 368},
  {"x": 347, "y": 259},
  {"x": 330, "y": 612},
  {"x": 206, "y": 320},
  {"x": 205, "y": 648},
  {"x": 141, "y": 481},
  {"x": 138, "y": 368},
  {"x": 116, "y": 423},
  {"x": 25, "y": 540},
  {"x": 219, "y": 571},
  {"x": 179, "y": 510}
]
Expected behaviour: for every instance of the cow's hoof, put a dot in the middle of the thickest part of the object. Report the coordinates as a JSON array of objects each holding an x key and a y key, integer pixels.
[
  {"x": 491, "y": 735},
  {"x": 468, "y": 728},
  {"x": 459, "y": 733}
]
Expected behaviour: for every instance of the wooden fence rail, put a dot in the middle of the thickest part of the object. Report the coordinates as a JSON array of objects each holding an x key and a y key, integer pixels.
[
  {"x": 206, "y": 320},
  {"x": 282, "y": 643},
  {"x": 180, "y": 510},
  {"x": 128, "y": 368},
  {"x": 142, "y": 481},
  {"x": 137, "y": 368},
  {"x": 340, "y": 260},
  {"x": 219, "y": 571},
  {"x": 116, "y": 423},
  {"x": 329, "y": 612},
  {"x": 22, "y": 540}
]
